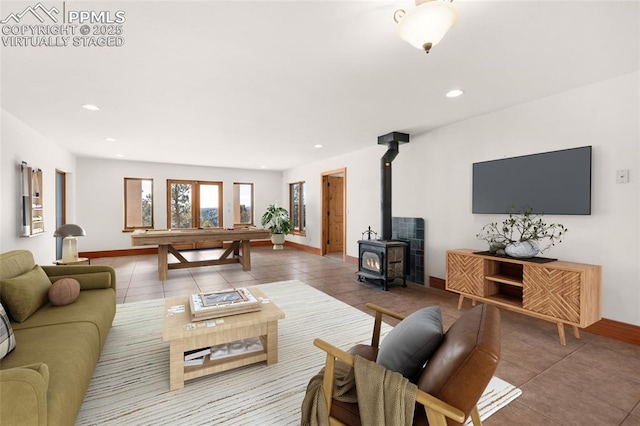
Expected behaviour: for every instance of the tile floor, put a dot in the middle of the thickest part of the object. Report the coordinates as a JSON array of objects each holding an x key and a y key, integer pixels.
[{"x": 592, "y": 381}]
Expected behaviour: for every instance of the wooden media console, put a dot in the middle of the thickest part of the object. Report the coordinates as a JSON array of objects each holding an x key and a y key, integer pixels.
[{"x": 557, "y": 291}]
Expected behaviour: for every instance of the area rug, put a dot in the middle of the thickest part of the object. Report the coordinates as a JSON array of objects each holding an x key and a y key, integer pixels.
[{"x": 131, "y": 383}]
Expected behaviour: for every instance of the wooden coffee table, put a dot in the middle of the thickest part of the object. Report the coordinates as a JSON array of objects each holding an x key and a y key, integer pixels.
[{"x": 175, "y": 330}]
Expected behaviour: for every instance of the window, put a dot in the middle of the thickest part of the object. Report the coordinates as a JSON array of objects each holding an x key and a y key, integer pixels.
[
  {"x": 138, "y": 203},
  {"x": 298, "y": 208},
  {"x": 194, "y": 204},
  {"x": 242, "y": 203}
]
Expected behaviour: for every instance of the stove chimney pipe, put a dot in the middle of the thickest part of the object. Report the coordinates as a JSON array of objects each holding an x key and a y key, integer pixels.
[{"x": 391, "y": 140}]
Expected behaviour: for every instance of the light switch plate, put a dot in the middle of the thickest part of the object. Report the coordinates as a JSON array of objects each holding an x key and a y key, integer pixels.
[{"x": 622, "y": 176}]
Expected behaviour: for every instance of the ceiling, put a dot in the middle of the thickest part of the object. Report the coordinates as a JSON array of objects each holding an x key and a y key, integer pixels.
[{"x": 258, "y": 84}]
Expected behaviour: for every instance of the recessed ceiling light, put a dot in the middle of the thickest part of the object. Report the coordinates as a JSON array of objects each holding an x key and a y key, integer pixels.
[
  {"x": 454, "y": 93},
  {"x": 119, "y": 155},
  {"x": 90, "y": 107},
  {"x": 110, "y": 139},
  {"x": 263, "y": 167},
  {"x": 317, "y": 146}
]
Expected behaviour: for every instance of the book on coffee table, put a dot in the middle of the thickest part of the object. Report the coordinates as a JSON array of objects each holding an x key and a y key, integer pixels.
[
  {"x": 238, "y": 347},
  {"x": 196, "y": 353},
  {"x": 222, "y": 303}
]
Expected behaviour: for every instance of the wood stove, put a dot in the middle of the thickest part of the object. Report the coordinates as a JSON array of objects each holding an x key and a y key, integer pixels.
[{"x": 384, "y": 260}]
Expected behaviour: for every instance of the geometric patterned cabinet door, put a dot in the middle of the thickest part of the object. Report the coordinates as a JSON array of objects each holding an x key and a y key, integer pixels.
[
  {"x": 465, "y": 274},
  {"x": 552, "y": 292},
  {"x": 565, "y": 293}
]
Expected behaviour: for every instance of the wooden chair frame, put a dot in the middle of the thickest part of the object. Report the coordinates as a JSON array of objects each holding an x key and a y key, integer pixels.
[{"x": 436, "y": 410}]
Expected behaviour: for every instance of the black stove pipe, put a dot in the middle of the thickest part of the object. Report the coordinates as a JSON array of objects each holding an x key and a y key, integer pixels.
[{"x": 391, "y": 140}]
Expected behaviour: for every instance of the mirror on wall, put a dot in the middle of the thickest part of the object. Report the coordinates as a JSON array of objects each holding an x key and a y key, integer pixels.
[{"x": 32, "y": 201}]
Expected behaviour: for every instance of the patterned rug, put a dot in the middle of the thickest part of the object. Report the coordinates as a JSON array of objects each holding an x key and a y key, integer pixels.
[{"x": 131, "y": 383}]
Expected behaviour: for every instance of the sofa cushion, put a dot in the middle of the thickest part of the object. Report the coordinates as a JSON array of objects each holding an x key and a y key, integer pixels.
[
  {"x": 7, "y": 339},
  {"x": 64, "y": 292},
  {"x": 26, "y": 293},
  {"x": 410, "y": 344},
  {"x": 96, "y": 307},
  {"x": 15, "y": 262},
  {"x": 87, "y": 280}
]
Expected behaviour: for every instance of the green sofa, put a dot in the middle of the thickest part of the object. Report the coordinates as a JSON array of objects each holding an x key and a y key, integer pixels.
[{"x": 45, "y": 378}]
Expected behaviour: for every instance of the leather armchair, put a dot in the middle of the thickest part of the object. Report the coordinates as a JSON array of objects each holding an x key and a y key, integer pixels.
[{"x": 453, "y": 380}]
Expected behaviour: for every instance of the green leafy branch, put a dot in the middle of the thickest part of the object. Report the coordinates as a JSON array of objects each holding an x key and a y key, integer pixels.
[{"x": 525, "y": 226}]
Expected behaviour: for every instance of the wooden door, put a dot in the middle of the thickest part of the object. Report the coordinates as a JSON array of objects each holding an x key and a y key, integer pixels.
[
  {"x": 335, "y": 213},
  {"x": 465, "y": 274},
  {"x": 553, "y": 292}
]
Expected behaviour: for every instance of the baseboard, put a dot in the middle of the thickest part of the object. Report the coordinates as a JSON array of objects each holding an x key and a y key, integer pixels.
[
  {"x": 616, "y": 330},
  {"x": 118, "y": 253},
  {"x": 435, "y": 282},
  {"x": 256, "y": 243},
  {"x": 302, "y": 247},
  {"x": 351, "y": 260}
]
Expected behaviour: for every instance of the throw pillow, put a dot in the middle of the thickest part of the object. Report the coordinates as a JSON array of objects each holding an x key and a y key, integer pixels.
[
  {"x": 7, "y": 339},
  {"x": 25, "y": 294},
  {"x": 410, "y": 344},
  {"x": 64, "y": 292}
]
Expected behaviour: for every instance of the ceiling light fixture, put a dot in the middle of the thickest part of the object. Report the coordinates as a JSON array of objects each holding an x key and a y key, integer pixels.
[
  {"x": 424, "y": 26},
  {"x": 317, "y": 146},
  {"x": 90, "y": 107},
  {"x": 110, "y": 139},
  {"x": 454, "y": 93}
]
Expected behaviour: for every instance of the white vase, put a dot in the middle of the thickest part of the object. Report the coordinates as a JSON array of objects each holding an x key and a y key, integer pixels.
[
  {"x": 522, "y": 249},
  {"x": 278, "y": 241}
]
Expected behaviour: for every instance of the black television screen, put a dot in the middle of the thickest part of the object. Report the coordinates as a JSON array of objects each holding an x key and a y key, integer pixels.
[{"x": 557, "y": 182}]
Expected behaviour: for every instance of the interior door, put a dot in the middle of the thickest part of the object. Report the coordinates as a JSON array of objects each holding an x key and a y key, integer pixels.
[
  {"x": 335, "y": 192},
  {"x": 334, "y": 211}
]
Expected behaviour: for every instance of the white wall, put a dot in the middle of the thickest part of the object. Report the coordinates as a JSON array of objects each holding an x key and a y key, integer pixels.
[
  {"x": 100, "y": 189},
  {"x": 363, "y": 194},
  {"x": 22, "y": 143},
  {"x": 432, "y": 180},
  {"x": 604, "y": 115}
]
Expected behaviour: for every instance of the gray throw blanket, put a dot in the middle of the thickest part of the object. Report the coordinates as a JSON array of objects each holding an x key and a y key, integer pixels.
[{"x": 383, "y": 396}]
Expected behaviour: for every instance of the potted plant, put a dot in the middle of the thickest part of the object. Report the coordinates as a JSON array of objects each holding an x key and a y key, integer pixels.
[
  {"x": 521, "y": 235},
  {"x": 277, "y": 220}
]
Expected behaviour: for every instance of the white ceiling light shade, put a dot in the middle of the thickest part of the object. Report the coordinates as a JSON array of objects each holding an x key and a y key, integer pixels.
[
  {"x": 424, "y": 26},
  {"x": 91, "y": 107}
]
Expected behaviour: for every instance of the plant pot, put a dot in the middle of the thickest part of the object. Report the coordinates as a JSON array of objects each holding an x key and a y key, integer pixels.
[
  {"x": 278, "y": 241},
  {"x": 522, "y": 249},
  {"x": 496, "y": 247}
]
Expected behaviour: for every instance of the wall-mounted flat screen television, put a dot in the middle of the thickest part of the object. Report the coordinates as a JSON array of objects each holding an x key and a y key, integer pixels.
[{"x": 557, "y": 182}]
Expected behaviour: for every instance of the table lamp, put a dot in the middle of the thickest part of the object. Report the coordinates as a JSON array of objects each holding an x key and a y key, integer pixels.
[{"x": 69, "y": 232}]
